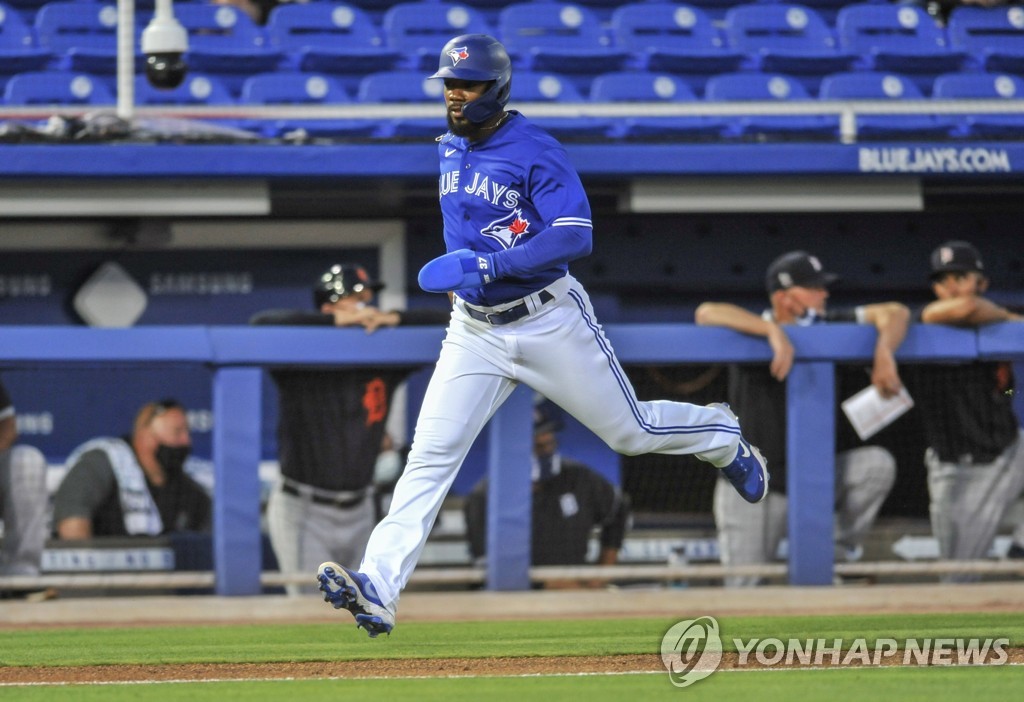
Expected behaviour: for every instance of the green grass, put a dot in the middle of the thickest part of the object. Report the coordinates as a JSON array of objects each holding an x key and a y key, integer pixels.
[
  {"x": 335, "y": 641},
  {"x": 339, "y": 640},
  {"x": 869, "y": 685}
]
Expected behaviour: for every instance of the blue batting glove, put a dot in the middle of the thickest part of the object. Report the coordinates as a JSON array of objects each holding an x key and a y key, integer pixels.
[{"x": 457, "y": 270}]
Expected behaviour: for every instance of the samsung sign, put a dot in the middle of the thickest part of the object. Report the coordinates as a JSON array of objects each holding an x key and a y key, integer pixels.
[{"x": 933, "y": 160}]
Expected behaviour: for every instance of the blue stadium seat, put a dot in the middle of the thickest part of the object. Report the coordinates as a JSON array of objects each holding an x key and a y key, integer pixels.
[
  {"x": 224, "y": 42},
  {"x": 769, "y": 87},
  {"x": 196, "y": 89},
  {"x": 418, "y": 30},
  {"x": 877, "y": 85},
  {"x": 898, "y": 38},
  {"x": 298, "y": 88},
  {"x": 786, "y": 38},
  {"x": 406, "y": 86},
  {"x": 673, "y": 37},
  {"x": 26, "y": 9},
  {"x": 19, "y": 52},
  {"x": 57, "y": 88},
  {"x": 983, "y": 86},
  {"x": 636, "y": 86},
  {"x": 327, "y": 37},
  {"x": 993, "y": 36},
  {"x": 83, "y": 35},
  {"x": 534, "y": 86},
  {"x": 559, "y": 37},
  {"x": 826, "y": 9}
]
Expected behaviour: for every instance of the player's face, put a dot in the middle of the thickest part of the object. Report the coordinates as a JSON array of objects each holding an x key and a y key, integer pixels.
[
  {"x": 456, "y": 94},
  {"x": 798, "y": 300},
  {"x": 959, "y": 284},
  {"x": 354, "y": 301},
  {"x": 545, "y": 444},
  {"x": 170, "y": 428}
]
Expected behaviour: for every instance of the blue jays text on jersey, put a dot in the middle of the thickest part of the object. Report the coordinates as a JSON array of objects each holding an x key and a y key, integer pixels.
[{"x": 517, "y": 196}]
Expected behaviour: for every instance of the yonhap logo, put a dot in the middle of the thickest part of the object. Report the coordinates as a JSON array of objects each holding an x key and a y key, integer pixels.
[{"x": 691, "y": 650}]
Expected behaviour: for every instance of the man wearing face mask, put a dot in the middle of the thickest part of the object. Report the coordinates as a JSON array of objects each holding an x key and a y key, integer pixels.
[
  {"x": 569, "y": 501},
  {"x": 331, "y": 430},
  {"x": 797, "y": 285},
  {"x": 135, "y": 485}
]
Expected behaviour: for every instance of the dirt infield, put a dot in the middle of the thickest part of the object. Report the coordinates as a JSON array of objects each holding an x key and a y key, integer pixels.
[{"x": 432, "y": 606}]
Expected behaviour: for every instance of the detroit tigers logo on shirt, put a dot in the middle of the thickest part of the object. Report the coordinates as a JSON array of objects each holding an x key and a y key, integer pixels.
[
  {"x": 458, "y": 54},
  {"x": 508, "y": 229}
]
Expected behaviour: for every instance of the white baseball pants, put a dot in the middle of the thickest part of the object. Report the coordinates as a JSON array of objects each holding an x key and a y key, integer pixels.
[{"x": 560, "y": 351}]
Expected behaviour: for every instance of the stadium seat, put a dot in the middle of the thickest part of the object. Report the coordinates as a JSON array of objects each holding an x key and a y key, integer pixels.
[
  {"x": 983, "y": 86},
  {"x": 19, "y": 52},
  {"x": 633, "y": 86},
  {"x": 83, "y": 36},
  {"x": 680, "y": 39},
  {"x": 335, "y": 38},
  {"x": 224, "y": 42},
  {"x": 532, "y": 86},
  {"x": 26, "y": 9},
  {"x": 418, "y": 30},
  {"x": 196, "y": 89},
  {"x": 405, "y": 87},
  {"x": 786, "y": 38},
  {"x": 57, "y": 88},
  {"x": 993, "y": 36},
  {"x": 876, "y": 85},
  {"x": 559, "y": 37},
  {"x": 898, "y": 38},
  {"x": 769, "y": 87},
  {"x": 297, "y": 88}
]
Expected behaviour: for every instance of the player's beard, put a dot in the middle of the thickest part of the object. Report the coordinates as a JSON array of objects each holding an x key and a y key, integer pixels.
[{"x": 460, "y": 126}]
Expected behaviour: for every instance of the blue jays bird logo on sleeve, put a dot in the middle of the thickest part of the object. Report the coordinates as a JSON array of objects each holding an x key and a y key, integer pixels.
[{"x": 509, "y": 229}]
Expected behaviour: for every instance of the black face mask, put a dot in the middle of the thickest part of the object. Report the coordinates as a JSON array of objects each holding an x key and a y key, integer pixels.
[{"x": 172, "y": 458}]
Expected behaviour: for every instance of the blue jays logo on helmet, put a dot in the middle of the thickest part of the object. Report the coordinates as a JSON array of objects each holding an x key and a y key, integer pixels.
[
  {"x": 458, "y": 54},
  {"x": 509, "y": 229},
  {"x": 478, "y": 58}
]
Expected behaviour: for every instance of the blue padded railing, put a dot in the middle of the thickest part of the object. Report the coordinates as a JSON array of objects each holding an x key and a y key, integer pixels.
[{"x": 237, "y": 354}]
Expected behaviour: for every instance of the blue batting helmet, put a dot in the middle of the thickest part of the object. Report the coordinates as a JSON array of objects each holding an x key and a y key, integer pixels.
[{"x": 478, "y": 57}]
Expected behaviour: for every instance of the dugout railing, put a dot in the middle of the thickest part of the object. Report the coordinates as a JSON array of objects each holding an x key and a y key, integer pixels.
[{"x": 237, "y": 355}]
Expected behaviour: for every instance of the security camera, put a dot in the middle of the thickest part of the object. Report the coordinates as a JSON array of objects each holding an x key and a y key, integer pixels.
[{"x": 164, "y": 41}]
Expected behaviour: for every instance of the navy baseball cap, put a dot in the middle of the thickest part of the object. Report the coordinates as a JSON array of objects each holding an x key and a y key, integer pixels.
[
  {"x": 797, "y": 268},
  {"x": 955, "y": 257}
]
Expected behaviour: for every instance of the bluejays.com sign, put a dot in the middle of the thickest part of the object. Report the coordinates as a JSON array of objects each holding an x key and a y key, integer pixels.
[{"x": 933, "y": 160}]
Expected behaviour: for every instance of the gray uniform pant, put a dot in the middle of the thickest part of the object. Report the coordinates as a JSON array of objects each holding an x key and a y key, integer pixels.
[
  {"x": 969, "y": 501},
  {"x": 750, "y": 534},
  {"x": 304, "y": 534},
  {"x": 24, "y": 501}
]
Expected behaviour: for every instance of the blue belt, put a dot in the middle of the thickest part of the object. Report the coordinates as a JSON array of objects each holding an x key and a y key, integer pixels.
[{"x": 512, "y": 314}]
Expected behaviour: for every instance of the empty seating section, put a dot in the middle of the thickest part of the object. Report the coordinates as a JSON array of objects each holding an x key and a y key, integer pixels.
[
  {"x": 992, "y": 37},
  {"x": 19, "y": 51},
  {"x": 990, "y": 86},
  {"x": 418, "y": 29},
  {"x": 655, "y": 52},
  {"x": 225, "y": 42},
  {"x": 900, "y": 38},
  {"x": 872, "y": 85},
  {"x": 769, "y": 87},
  {"x": 681, "y": 39},
  {"x": 785, "y": 38}
]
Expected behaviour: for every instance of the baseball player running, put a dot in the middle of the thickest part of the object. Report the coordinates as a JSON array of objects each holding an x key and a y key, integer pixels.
[{"x": 515, "y": 214}]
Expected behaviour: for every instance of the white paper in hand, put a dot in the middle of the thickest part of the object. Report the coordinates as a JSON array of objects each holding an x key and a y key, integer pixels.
[{"x": 869, "y": 412}]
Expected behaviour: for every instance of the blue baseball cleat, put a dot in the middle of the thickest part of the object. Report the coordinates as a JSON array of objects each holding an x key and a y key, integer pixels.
[
  {"x": 351, "y": 590},
  {"x": 748, "y": 472}
]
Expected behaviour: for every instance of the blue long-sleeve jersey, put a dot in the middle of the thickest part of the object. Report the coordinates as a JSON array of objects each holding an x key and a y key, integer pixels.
[{"x": 517, "y": 196}]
